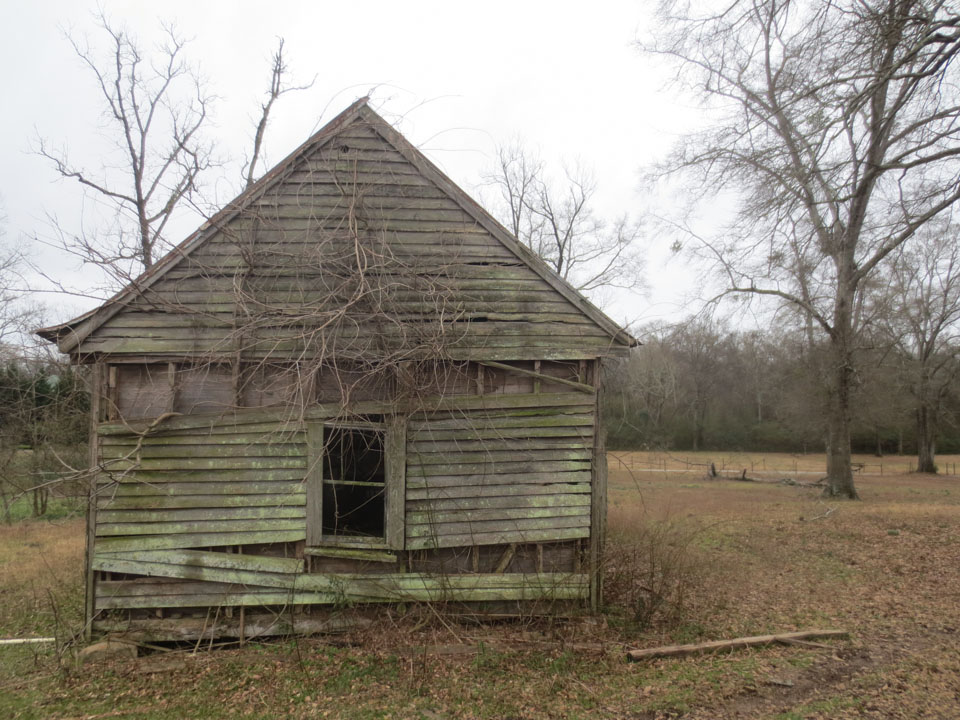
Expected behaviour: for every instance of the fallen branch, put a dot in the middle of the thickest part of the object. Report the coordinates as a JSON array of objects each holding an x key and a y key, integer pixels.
[
  {"x": 824, "y": 515},
  {"x": 781, "y": 683},
  {"x": 805, "y": 643},
  {"x": 721, "y": 645},
  {"x": 743, "y": 477},
  {"x": 799, "y": 483}
]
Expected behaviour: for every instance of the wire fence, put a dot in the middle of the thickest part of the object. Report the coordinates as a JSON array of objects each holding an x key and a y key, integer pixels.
[{"x": 762, "y": 465}]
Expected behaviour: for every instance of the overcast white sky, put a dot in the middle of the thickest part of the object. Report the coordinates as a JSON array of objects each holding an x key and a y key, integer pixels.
[{"x": 455, "y": 78}]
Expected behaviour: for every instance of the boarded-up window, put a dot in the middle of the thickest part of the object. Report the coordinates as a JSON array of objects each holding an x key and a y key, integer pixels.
[
  {"x": 142, "y": 391},
  {"x": 204, "y": 389},
  {"x": 445, "y": 379},
  {"x": 497, "y": 381},
  {"x": 269, "y": 384},
  {"x": 568, "y": 370},
  {"x": 348, "y": 383}
]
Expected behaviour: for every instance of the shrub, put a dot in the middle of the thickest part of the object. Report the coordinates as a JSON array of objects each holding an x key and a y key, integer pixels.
[{"x": 651, "y": 569}]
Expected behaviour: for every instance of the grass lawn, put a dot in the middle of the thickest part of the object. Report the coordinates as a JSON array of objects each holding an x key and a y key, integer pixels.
[{"x": 726, "y": 558}]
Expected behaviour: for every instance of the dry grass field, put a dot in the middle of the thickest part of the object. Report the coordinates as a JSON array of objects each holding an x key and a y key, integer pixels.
[{"x": 689, "y": 558}]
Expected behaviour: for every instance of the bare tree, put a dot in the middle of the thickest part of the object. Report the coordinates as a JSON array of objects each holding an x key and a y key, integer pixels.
[
  {"x": 155, "y": 106},
  {"x": 278, "y": 72},
  {"x": 641, "y": 392},
  {"x": 833, "y": 129},
  {"x": 698, "y": 348},
  {"x": 17, "y": 314},
  {"x": 558, "y": 222},
  {"x": 33, "y": 412},
  {"x": 925, "y": 283}
]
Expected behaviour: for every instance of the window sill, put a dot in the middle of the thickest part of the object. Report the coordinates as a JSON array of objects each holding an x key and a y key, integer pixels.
[{"x": 353, "y": 551}]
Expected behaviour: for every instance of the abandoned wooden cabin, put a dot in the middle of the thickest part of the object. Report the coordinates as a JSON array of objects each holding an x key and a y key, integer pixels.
[{"x": 351, "y": 386}]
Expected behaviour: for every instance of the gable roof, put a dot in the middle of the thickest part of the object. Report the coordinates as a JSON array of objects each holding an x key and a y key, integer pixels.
[{"x": 71, "y": 334}]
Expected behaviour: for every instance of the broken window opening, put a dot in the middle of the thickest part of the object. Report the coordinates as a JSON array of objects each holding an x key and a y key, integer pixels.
[{"x": 354, "y": 483}]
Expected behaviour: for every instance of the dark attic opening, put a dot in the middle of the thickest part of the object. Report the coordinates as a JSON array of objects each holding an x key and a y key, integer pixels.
[{"x": 354, "y": 483}]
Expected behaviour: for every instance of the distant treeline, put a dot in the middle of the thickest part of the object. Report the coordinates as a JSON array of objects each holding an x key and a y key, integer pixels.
[
  {"x": 44, "y": 425},
  {"x": 701, "y": 386},
  {"x": 41, "y": 402}
]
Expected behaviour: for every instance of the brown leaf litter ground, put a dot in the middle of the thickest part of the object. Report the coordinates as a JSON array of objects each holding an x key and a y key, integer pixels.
[{"x": 689, "y": 559}]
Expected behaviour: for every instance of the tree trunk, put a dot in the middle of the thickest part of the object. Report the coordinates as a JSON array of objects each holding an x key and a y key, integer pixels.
[
  {"x": 41, "y": 496},
  {"x": 698, "y": 433},
  {"x": 926, "y": 439},
  {"x": 839, "y": 471}
]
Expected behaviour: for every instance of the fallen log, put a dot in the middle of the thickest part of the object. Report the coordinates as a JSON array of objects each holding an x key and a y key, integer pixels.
[
  {"x": 735, "y": 644},
  {"x": 743, "y": 477}
]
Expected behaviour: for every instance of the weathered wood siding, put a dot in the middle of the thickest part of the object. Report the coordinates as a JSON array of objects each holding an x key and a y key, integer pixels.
[
  {"x": 193, "y": 511},
  {"x": 218, "y": 483},
  {"x": 513, "y": 474},
  {"x": 265, "y": 281}
]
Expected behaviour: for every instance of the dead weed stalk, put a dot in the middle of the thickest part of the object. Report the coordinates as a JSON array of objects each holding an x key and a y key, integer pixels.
[{"x": 651, "y": 569}]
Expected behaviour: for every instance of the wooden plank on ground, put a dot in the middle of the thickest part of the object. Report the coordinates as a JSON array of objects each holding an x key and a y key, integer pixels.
[{"x": 735, "y": 644}]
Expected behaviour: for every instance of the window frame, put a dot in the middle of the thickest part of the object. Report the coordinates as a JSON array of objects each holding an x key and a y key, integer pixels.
[{"x": 393, "y": 428}]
